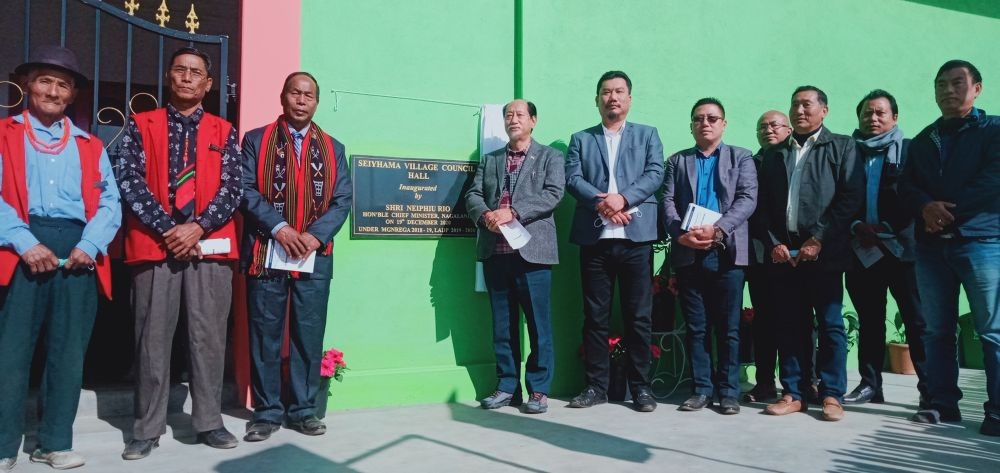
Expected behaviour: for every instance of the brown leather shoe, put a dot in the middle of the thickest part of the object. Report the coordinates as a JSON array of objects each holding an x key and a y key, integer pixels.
[
  {"x": 785, "y": 405},
  {"x": 832, "y": 410}
]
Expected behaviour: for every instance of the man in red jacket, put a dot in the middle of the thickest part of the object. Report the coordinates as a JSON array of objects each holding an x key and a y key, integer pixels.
[
  {"x": 180, "y": 177},
  {"x": 59, "y": 210}
]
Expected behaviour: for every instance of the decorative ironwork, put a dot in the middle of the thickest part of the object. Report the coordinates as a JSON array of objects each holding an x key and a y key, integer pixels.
[
  {"x": 131, "y": 6},
  {"x": 103, "y": 121},
  {"x": 19, "y": 89},
  {"x": 163, "y": 14},
  {"x": 192, "y": 23}
]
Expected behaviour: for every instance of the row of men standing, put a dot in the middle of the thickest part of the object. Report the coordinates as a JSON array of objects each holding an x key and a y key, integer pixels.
[
  {"x": 808, "y": 208},
  {"x": 182, "y": 178}
]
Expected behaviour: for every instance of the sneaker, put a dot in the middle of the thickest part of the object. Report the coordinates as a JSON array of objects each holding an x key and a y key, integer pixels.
[
  {"x": 7, "y": 464},
  {"x": 500, "y": 399},
  {"x": 63, "y": 460},
  {"x": 138, "y": 448},
  {"x": 537, "y": 404},
  {"x": 218, "y": 438},
  {"x": 310, "y": 426},
  {"x": 589, "y": 397}
]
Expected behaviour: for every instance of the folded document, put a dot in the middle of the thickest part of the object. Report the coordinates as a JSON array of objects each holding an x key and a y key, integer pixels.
[
  {"x": 698, "y": 215},
  {"x": 278, "y": 259}
]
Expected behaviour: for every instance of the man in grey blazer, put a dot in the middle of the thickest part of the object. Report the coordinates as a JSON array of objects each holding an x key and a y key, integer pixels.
[
  {"x": 613, "y": 170},
  {"x": 521, "y": 183},
  {"x": 710, "y": 259},
  {"x": 811, "y": 187}
]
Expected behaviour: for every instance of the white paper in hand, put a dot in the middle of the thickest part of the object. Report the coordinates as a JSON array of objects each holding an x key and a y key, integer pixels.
[
  {"x": 698, "y": 215},
  {"x": 214, "y": 246},
  {"x": 867, "y": 256},
  {"x": 278, "y": 259},
  {"x": 515, "y": 234}
]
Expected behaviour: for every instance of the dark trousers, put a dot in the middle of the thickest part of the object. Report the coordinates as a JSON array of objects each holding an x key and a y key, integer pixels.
[
  {"x": 63, "y": 302},
  {"x": 631, "y": 265},
  {"x": 867, "y": 288},
  {"x": 515, "y": 284},
  {"x": 268, "y": 299},
  {"x": 802, "y": 293},
  {"x": 763, "y": 329},
  {"x": 711, "y": 296},
  {"x": 158, "y": 290}
]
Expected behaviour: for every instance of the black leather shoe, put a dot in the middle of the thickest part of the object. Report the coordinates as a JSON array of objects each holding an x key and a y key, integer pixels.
[
  {"x": 862, "y": 394},
  {"x": 218, "y": 438},
  {"x": 309, "y": 426},
  {"x": 761, "y": 394},
  {"x": 643, "y": 400},
  {"x": 729, "y": 406},
  {"x": 695, "y": 403},
  {"x": 991, "y": 425},
  {"x": 936, "y": 416},
  {"x": 138, "y": 448},
  {"x": 590, "y": 397},
  {"x": 260, "y": 430}
]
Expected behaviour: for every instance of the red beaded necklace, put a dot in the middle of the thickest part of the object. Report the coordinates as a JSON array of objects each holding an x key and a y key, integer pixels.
[{"x": 54, "y": 148}]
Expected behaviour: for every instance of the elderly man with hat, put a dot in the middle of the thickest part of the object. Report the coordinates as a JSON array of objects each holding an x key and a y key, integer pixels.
[{"x": 59, "y": 210}]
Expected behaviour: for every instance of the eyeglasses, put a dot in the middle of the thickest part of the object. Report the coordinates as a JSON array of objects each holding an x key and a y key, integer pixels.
[
  {"x": 767, "y": 126},
  {"x": 196, "y": 74},
  {"x": 711, "y": 119}
]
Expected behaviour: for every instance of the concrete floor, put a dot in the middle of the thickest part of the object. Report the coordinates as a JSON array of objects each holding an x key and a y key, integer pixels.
[{"x": 460, "y": 437}]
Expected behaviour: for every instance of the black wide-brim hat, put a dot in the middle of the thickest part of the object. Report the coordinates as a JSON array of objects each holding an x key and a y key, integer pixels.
[{"x": 54, "y": 57}]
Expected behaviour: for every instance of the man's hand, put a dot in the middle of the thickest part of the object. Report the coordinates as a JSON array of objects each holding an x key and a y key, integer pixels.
[
  {"x": 182, "y": 238},
  {"x": 780, "y": 254},
  {"x": 79, "y": 260},
  {"x": 621, "y": 218},
  {"x": 809, "y": 250},
  {"x": 610, "y": 204},
  {"x": 703, "y": 232},
  {"x": 291, "y": 241},
  {"x": 691, "y": 240},
  {"x": 192, "y": 254},
  {"x": 309, "y": 242},
  {"x": 40, "y": 259},
  {"x": 937, "y": 216},
  {"x": 495, "y": 218}
]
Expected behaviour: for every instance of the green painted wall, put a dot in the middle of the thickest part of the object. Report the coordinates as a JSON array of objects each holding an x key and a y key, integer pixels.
[{"x": 404, "y": 312}]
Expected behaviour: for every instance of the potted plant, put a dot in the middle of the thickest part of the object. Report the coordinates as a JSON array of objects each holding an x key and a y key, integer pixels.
[
  {"x": 332, "y": 367},
  {"x": 899, "y": 350}
]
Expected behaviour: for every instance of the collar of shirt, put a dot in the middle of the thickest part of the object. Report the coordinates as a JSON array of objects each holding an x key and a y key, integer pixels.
[
  {"x": 613, "y": 134},
  {"x": 55, "y": 131},
  {"x": 714, "y": 154},
  {"x": 302, "y": 131},
  {"x": 515, "y": 154},
  {"x": 175, "y": 115},
  {"x": 809, "y": 141}
]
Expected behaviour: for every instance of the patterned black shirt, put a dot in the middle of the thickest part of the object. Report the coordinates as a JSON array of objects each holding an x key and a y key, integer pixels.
[{"x": 135, "y": 191}]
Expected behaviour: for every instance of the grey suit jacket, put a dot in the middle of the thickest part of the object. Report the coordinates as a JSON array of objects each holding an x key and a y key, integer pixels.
[
  {"x": 638, "y": 172},
  {"x": 831, "y": 192},
  {"x": 736, "y": 187},
  {"x": 534, "y": 198}
]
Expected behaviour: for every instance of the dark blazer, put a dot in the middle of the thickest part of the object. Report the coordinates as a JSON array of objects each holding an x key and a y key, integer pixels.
[
  {"x": 638, "y": 172},
  {"x": 970, "y": 178},
  {"x": 736, "y": 179},
  {"x": 831, "y": 192},
  {"x": 537, "y": 192},
  {"x": 261, "y": 217},
  {"x": 891, "y": 209}
]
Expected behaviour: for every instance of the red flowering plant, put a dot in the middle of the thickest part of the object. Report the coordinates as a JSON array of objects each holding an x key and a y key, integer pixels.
[
  {"x": 333, "y": 365},
  {"x": 746, "y": 316},
  {"x": 616, "y": 348}
]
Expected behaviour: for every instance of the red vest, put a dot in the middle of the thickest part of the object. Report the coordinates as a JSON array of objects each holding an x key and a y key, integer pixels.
[
  {"x": 144, "y": 244},
  {"x": 15, "y": 192}
]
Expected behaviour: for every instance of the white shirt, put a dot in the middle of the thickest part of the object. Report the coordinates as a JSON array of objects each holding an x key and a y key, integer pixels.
[
  {"x": 795, "y": 183},
  {"x": 613, "y": 139}
]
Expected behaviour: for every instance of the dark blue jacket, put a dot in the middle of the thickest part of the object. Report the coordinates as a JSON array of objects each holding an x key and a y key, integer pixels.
[{"x": 969, "y": 178}]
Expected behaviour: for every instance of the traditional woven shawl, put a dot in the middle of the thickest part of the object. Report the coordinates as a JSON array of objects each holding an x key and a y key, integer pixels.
[{"x": 299, "y": 190}]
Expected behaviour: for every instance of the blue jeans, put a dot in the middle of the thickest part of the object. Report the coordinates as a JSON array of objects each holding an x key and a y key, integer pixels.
[
  {"x": 943, "y": 265},
  {"x": 801, "y": 293},
  {"x": 516, "y": 284},
  {"x": 711, "y": 295}
]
